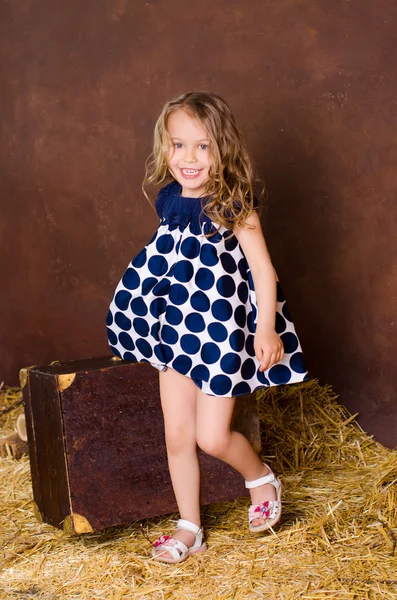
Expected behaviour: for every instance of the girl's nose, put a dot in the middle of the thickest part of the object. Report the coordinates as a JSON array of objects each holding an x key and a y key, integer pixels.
[{"x": 190, "y": 156}]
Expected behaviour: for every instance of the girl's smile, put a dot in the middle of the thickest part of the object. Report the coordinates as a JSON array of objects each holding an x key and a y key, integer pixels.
[
  {"x": 189, "y": 155},
  {"x": 190, "y": 173}
]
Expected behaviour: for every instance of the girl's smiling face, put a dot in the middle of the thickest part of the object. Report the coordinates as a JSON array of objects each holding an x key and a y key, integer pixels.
[{"x": 189, "y": 153}]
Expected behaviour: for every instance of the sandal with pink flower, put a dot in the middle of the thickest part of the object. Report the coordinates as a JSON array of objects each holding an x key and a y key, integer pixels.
[
  {"x": 178, "y": 550},
  {"x": 270, "y": 509}
]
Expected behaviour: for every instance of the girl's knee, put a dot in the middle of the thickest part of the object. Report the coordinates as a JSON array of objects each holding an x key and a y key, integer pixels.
[
  {"x": 214, "y": 443},
  {"x": 179, "y": 438}
]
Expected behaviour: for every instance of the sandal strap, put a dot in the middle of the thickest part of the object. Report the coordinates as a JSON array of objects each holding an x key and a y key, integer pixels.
[
  {"x": 189, "y": 526},
  {"x": 261, "y": 481},
  {"x": 173, "y": 548}
]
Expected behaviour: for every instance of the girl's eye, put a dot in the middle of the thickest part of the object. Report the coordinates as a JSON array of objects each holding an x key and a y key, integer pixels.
[
  {"x": 177, "y": 145},
  {"x": 203, "y": 146}
]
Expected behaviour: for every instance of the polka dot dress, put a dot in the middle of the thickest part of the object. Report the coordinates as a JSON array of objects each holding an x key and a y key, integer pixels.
[{"x": 188, "y": 302}]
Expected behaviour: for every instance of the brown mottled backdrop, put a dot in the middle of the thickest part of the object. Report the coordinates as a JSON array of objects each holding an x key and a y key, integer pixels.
[{"x": 313, "y": 86}]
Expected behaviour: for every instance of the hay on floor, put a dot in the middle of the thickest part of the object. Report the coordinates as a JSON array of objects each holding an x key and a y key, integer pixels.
[{"x": 336, "y": 539}]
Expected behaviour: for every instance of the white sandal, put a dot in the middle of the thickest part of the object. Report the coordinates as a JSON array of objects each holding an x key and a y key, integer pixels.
[
  {"x": 178, "y": 550},
  {"x": 270, "y": 509}
]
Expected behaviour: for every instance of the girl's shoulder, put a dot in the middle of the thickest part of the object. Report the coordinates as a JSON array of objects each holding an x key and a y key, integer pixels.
[{"x": 163, "y": 195}]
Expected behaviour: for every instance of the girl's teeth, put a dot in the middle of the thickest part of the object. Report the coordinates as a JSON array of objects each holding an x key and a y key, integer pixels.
[{"x": 190, "y": 171}]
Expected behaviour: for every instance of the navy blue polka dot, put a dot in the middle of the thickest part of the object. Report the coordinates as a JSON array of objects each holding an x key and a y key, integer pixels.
[
  {"x": 250, "y": 321},
  {"x": 286, "y": 312},
  {"x": 190, "y": 247},
  {"x": 140, "y": 259},
  {"x": 154, "y": 330},
  {"x": 182, "y": 364},
  {"x": 222, "y": 310},
  {"x": 220, "y": 385},
  {"x": 210, "y": 353},
  {"x": 131, "y": 279},
  {"x": 242, "y": 292},
  {"x": 112, "y": 337},
  {"x": 217, "y": 332},
  {"x": 290, "y": 342},
  {"x": 262, "y": 377},
  {"x": 178, "y": 293},
  {"x": 230, "y": 363},
  {"x": 144, "y": 347},
  {"x": 129, "y": 356},
  {"x": 240, "y": 316},
  {"x": 169, "y": 334},
  {"x": 281, "y": 325},
  {"x": 200, "y": 372},
  {"x": 141, "y": 326},
  {"x": 173, "y": 315},
  {"x": 126, "y": 341},
  {"x": 122, "y": 299},
  {"x": 165, "y": 244},
  {"x": 204, "y": 279},
  {"x": 240, "y": 389},
  {"x": 157, "y": 265},
  {"x": 249, "y": 345},
  {"x": 157, "y": 307},
  {"x": 279, "y": 374},
  {"x": 226, "y": 286},
  {"x": 159, "y": 353},
  {"x": 230, "y": 242},
  {"x": 250, "y": 281},
  {"x": 248, "y": 369},
  {"x": 183, "y": 271},
  {"x": 237, "y": 340},
  {"x": 138, "y": 307},
  {"x": 190, "y": 343},
  {"x": 162, "y": 288},
  {"x": 109, "y": 318},
  {"x": 168, "y": 353},
  {"x": 200, "y": 302},
  {"x": 242, "y": 267},
  {"x": 208, "y": 255},
  {"x": 195, "y": 322},
  {"x": 228, "y": 262},
  {"x": 122, "y": 321},
  {"x": 148, "y": 284},
  {"x": 209, "y": 228},
  {"x": 297, "y": 363}
]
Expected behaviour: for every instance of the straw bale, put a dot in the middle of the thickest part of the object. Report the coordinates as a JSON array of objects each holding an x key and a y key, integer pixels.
[{"x": 336, "y": 539}]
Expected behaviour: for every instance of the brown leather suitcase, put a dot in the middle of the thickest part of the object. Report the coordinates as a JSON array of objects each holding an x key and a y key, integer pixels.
[{"x": 97, "y": 449}]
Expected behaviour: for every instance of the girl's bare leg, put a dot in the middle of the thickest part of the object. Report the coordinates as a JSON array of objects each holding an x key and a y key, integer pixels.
[
  {"x": 178, "y": 401},
  {"x": 214, "y": 437}
]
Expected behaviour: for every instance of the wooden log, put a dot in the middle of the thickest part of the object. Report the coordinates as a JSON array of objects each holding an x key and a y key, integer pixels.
[
  {"x": 97, "y": 448},
  {"x": 12, "y": 445}
]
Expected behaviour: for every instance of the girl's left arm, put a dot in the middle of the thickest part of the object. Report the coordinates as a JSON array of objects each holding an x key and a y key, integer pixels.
[{"x": 268, "y": 346}]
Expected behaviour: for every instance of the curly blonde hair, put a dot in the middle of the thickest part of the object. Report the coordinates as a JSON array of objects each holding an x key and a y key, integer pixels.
[{"x": 231, "y": 179}]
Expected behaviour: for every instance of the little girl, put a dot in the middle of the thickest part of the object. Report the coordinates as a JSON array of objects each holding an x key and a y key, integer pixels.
[{"x": 203, "y": 305}]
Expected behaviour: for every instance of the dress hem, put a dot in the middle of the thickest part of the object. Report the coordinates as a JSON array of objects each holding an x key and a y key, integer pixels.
[{"x": 161, "y": 367}]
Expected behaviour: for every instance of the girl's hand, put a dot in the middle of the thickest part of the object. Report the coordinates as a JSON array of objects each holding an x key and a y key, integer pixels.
[{"x": 268, "y": 347}]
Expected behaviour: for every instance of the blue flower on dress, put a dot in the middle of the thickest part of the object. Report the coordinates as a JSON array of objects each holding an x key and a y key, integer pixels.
[{"x": 176, "y": 219}]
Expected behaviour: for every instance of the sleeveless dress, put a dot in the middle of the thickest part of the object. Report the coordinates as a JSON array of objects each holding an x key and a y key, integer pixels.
[{"x": 188, "y": 302}]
